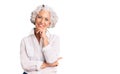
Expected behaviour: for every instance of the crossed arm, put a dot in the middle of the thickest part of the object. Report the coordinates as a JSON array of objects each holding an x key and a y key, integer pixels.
[
  {"x": 48, "y": 48},
  {"x": 50, "y": 56},
  {"x": 44, "y": 65}
]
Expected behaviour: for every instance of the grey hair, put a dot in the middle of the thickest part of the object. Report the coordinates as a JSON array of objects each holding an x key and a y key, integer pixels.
[{"x": 54, "y": 17}]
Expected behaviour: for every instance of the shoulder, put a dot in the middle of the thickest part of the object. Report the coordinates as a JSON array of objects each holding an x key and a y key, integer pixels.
[
  {"x": 26, "y": 38},
  {"x": 53, "y": 36}
]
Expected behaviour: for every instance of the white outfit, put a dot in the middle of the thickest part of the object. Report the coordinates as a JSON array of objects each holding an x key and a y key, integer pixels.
[{"x": 32, "y": 54}]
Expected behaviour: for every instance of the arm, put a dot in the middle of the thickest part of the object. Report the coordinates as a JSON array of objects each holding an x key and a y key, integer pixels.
[
  {"x": 51, "y": 51},
  {"x": 44, "y": 65},
  {"x": 27, "y": 64},
  {"x": 50, "y": 48}
]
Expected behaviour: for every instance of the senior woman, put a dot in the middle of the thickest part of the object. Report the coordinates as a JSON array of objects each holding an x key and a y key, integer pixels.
[{"x": 39, "y": 51}]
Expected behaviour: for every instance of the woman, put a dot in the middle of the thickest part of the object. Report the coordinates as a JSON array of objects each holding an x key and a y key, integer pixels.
[{"x": 39, "y": 51}]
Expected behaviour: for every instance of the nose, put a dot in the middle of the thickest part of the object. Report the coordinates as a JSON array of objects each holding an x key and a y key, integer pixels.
[{"x": 42, "y": 21}]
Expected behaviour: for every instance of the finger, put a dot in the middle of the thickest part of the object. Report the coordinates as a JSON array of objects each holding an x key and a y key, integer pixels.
[
  {"x": 56, "y": 64},
  {"x": 38, "y": 31}
]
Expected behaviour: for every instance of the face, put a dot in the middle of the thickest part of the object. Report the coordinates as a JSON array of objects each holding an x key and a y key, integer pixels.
[{"x": 42, "y": 20}]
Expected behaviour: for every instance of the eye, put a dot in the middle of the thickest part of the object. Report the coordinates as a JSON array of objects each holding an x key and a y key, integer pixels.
[
  {"x": 39, "y": 16},
  {"x": 46, "y": 19}
]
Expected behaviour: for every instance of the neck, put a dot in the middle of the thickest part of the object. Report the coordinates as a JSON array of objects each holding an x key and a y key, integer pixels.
[{"x": 37, "y": 35}]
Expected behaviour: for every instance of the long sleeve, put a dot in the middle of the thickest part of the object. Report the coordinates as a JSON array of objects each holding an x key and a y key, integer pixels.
[
  {"x": 27, "y": 64},
  {"x": 51, "y": 51}
]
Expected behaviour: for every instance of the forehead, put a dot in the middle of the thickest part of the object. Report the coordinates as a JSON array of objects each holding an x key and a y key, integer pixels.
[{"x": 44, "y": 13}]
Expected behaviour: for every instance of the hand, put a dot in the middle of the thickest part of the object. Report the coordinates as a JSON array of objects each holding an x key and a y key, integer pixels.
[
  {"x": 44, "y": 65},
  {"x": 55, "y": 63},
  {"x": 41, "y": 32}
]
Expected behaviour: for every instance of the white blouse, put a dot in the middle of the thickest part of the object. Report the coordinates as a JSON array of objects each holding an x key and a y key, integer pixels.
[{"x": 32, "y": 54}]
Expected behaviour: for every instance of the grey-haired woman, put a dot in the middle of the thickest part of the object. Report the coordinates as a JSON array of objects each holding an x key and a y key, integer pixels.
[{"x": 39, "y": 51}]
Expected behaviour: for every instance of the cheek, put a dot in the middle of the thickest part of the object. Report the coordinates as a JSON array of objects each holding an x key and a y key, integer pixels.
[
  {"x": 37, "y": 20},
  {"x": 36, "y": 25},
  {"x": 48, "y": 24}
]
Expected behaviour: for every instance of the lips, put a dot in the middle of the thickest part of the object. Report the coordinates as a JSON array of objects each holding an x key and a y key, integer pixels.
[{"x": 40, "y": 25}]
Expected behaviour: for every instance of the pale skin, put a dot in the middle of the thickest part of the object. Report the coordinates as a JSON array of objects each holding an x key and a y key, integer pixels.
[{"x": 42, "y": 22}]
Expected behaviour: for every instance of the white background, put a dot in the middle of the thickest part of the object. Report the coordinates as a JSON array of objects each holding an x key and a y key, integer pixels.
[{"x": 89, "y": 32}]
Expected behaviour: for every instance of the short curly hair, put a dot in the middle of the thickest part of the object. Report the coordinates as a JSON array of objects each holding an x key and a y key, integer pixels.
[{"x": 54, "y": 17}]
